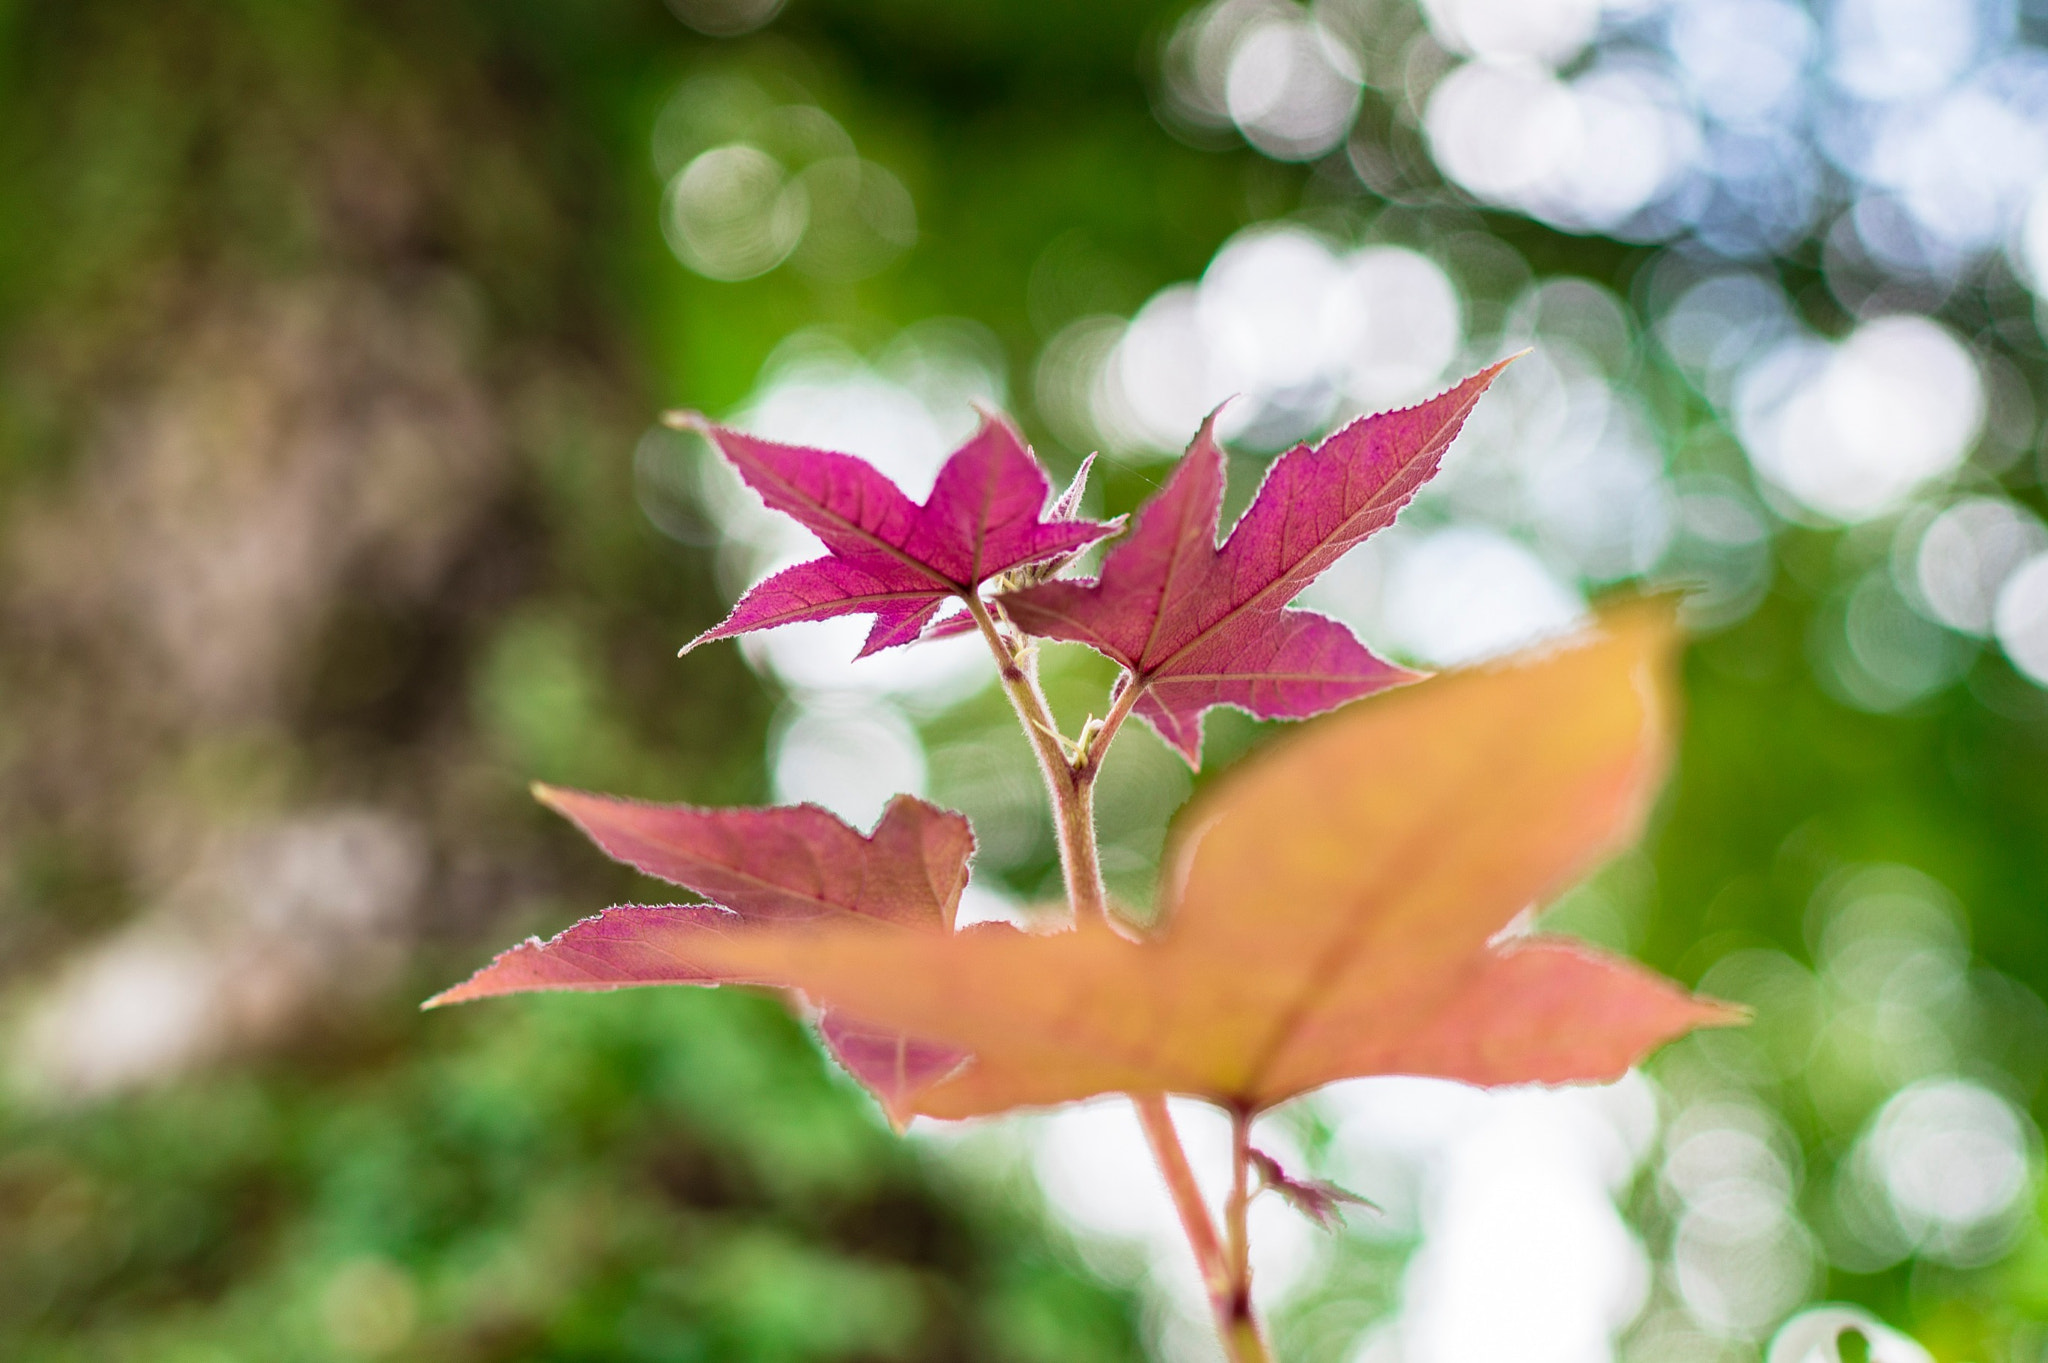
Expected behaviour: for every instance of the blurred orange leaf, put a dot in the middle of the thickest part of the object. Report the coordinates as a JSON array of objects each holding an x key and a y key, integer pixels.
[{"x": 1335, "y": 907}]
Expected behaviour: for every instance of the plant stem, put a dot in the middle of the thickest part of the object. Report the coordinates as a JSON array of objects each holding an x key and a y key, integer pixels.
[
  {"x": 1071, "y": 785},
  {"x": 1225, "y": 1262},
  {"x": 1122, "y": 698},
  {"x": 1234, "y": 1211},
  {"x": 1210, "y": 1256},
  {"x": 1240, "y": 1329}
]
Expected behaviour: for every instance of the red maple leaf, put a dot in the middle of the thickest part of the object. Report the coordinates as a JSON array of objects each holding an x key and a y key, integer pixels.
[
  {"x": 1196, "y": 625},
  {"x": 886, "y": 555},
  {"x": 795, "y": 865}
]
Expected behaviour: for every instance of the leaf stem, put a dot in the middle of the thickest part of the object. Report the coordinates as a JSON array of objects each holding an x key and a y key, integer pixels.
[{"x": 1095, "y": 743}]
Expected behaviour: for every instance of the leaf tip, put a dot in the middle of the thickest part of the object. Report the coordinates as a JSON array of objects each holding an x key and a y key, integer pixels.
[
  {"x": 683, "y": 419},
  {"x": 1067, "y": 506},
  {"x": 469, "y": 989},
  {"x": 1204, "y": 441},
  {"x": 1185, "y": 738},
  {"x": 1472, "y": 387},
  {"x": 994, "y": 417},
  {"x": 1722, "y": 1013},
  {"x": 735, "y": 624}
]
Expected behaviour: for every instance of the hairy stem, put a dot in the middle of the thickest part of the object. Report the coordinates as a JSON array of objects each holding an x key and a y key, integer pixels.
[
  {"x": 1078, "y": 856},
  {"x": 1095, "y": 743},
  {"x": 1073, "y": 794}
]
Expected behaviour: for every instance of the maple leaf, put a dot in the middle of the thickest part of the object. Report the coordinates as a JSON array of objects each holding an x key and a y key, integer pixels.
[
  {"x": 1196, "y": 625},
  {"x": 1334, "y": 909},
  {"x": 796, "y": 865},
  {"x": 886, "y": 555},
  {"x": 1066, "y": 507}
]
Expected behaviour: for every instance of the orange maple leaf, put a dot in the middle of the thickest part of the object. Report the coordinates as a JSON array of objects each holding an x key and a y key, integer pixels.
[{"x": 1334, "y": 907}]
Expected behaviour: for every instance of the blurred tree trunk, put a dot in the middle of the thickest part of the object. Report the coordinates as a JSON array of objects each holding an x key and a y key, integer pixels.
[{"x": 319, "y": 415}]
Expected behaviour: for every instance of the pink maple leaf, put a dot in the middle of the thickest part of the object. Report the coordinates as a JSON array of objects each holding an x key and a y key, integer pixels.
[
  {"x": 886, "y": 555},
  {"x": 786, "y": 865},
  {"x": 1197, "y": 625}
]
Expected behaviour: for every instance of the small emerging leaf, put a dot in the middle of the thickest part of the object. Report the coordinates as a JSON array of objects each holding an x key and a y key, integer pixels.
[
  {"x": 1197, "y": 625},
  {"x": 1067, "y": 506},
  {"x": 886, "y": 555},
  {"x": 1319, "y": 1200}
]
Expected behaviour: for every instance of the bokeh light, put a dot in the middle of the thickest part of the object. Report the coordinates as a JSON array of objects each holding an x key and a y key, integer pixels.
[
  {"x": 1851, "y": 431},
  {"x": 725, "y": 18},
  {"x": 1524, "y": 1252},
  {"x": 755, "y": 179},
  {"x": 1740, "y": 1257},
  {"x": 1290, "y": 87},
  {"x": 1818, "y": 1336},
  {"x": 1952, "y": 1159},
  {"x": 1966, "y": 555},
  {"x": 734, "y": 213},
  {"x": 1291, "y": 328},
  {"x": 2020, "y": 617}
]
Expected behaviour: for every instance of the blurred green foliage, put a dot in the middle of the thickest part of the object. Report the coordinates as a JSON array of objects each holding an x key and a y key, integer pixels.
[{"x": 671, "y": 1176}]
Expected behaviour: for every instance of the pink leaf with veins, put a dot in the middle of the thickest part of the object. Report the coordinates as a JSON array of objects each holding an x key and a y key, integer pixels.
[
  {"x": 1067, "y": 508},
  {"x": 886, "y": 555},
  {"x": 1198, "y": 625},
  {"x": 786, "y": 865}
]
